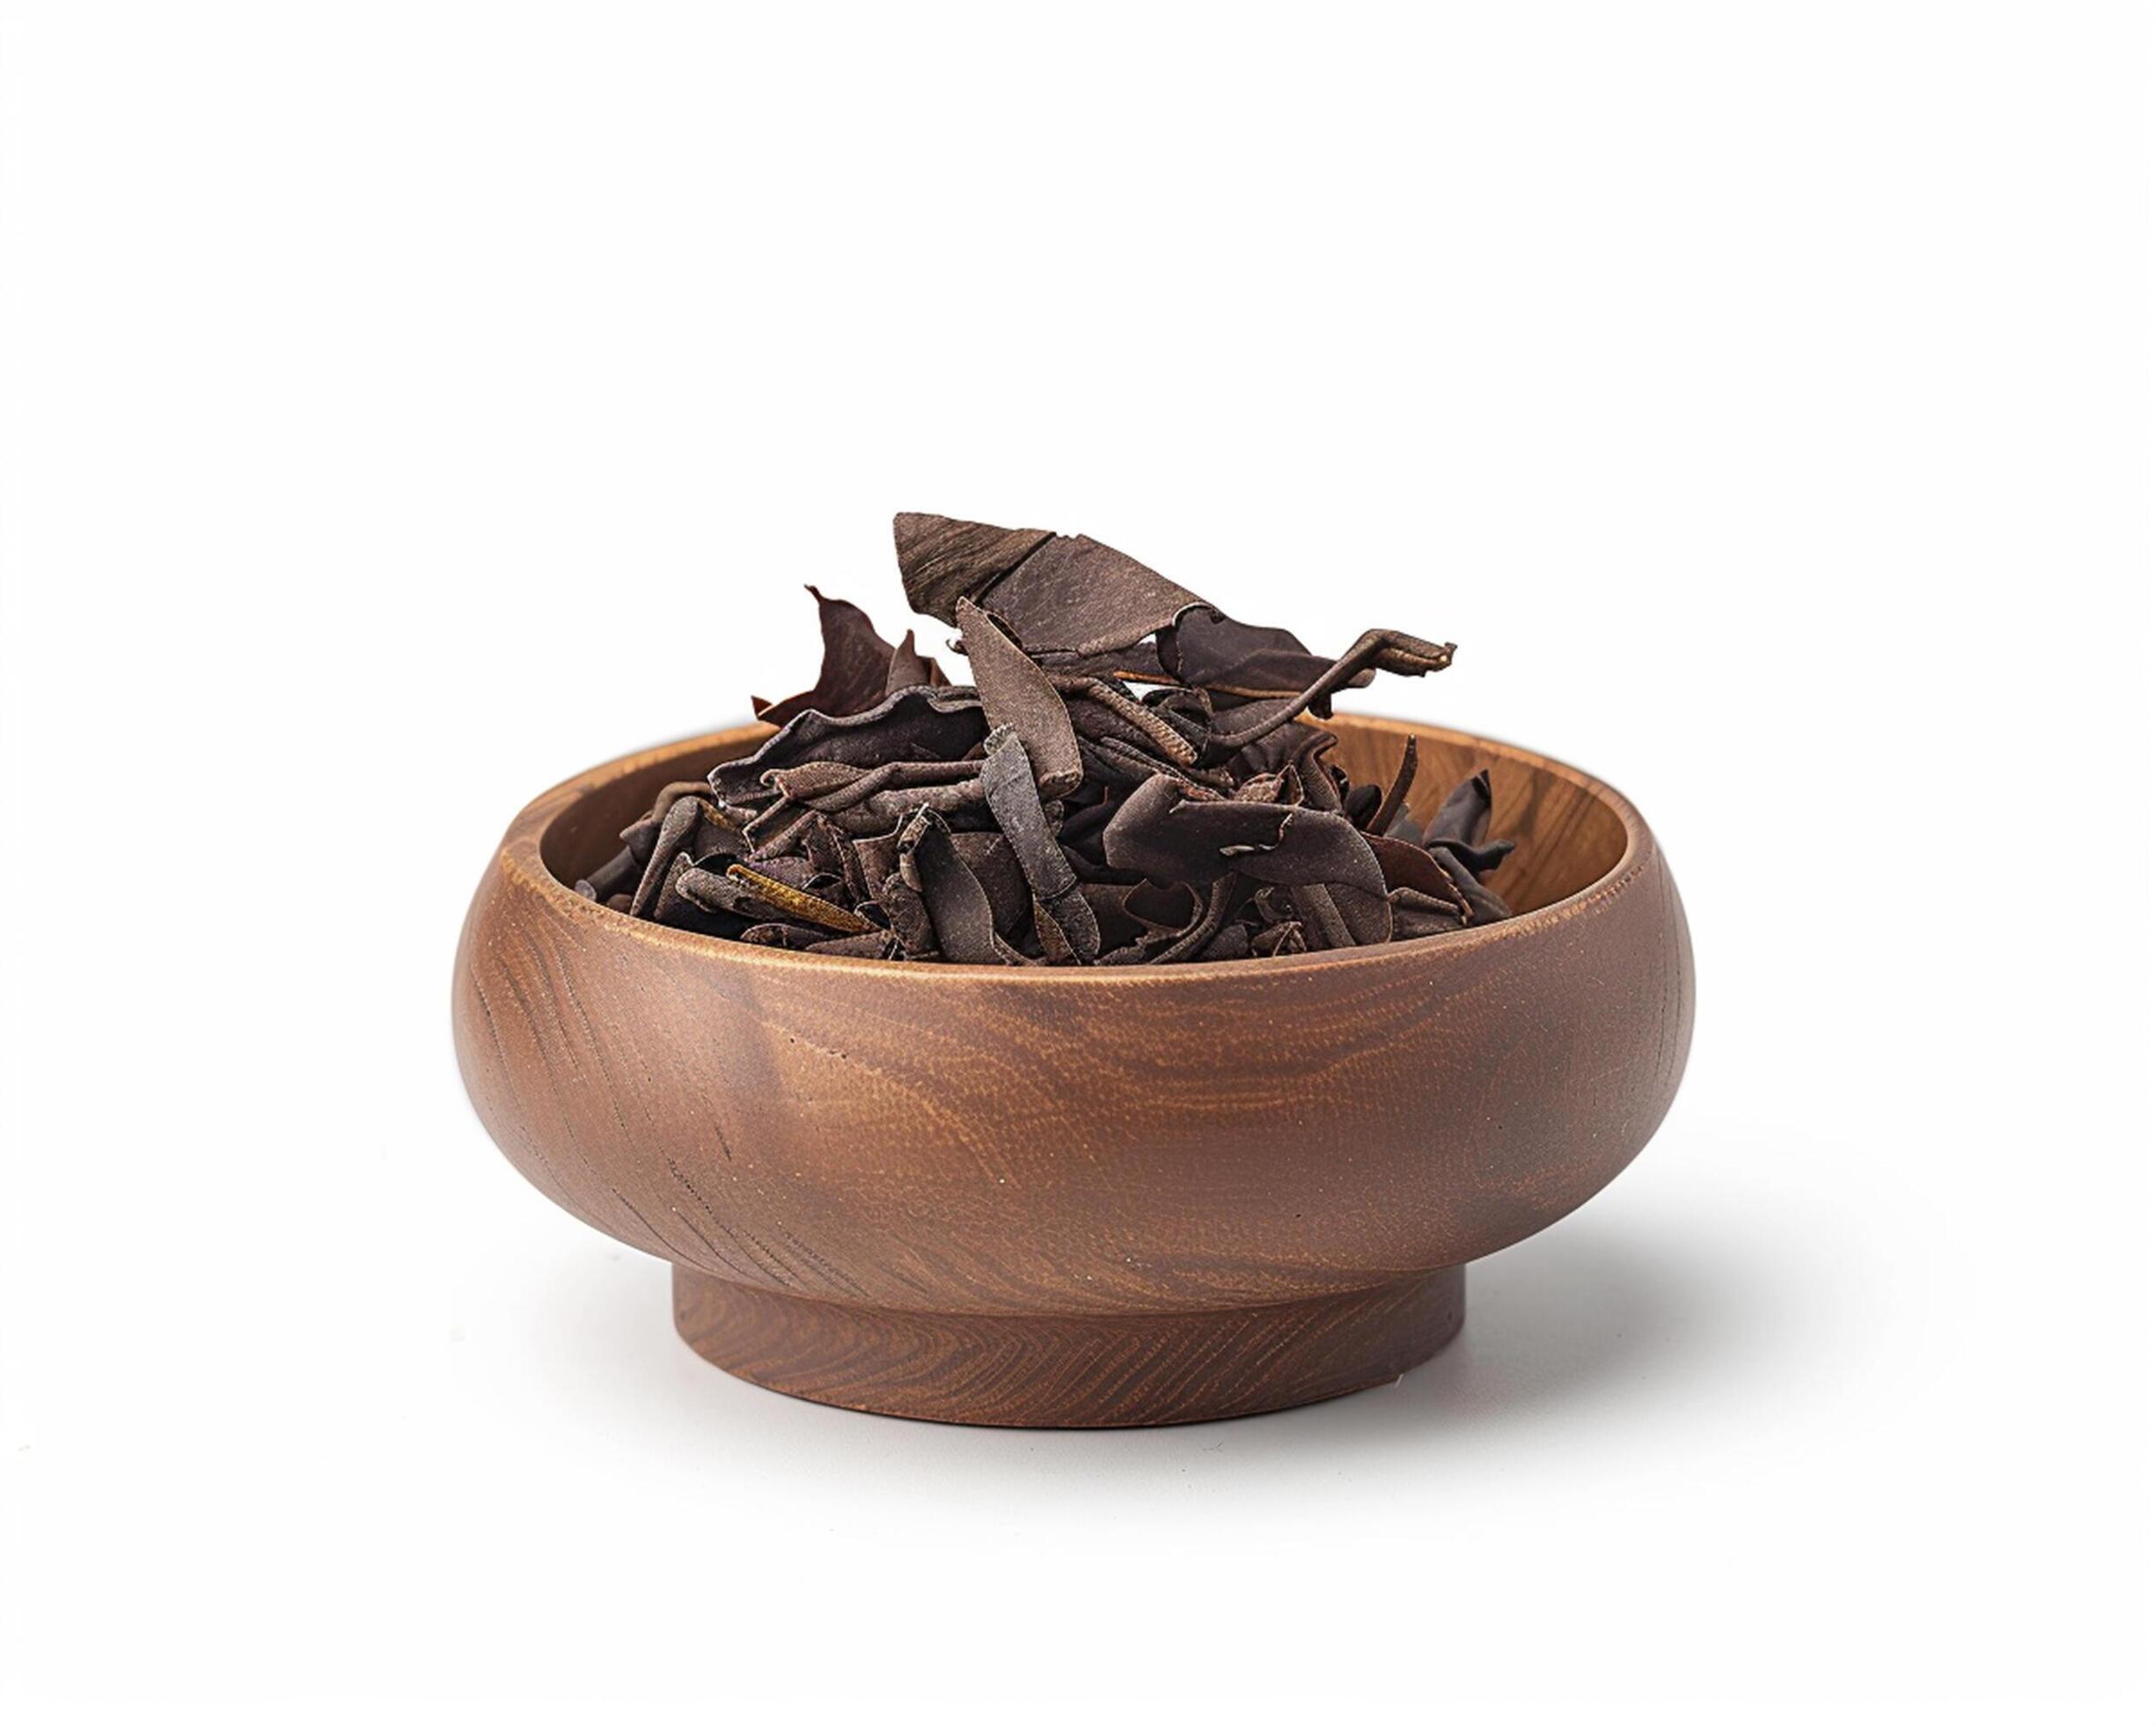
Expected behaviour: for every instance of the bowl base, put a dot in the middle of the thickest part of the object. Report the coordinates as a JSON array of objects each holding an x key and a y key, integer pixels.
[{"x": 1154, "y": 1368}]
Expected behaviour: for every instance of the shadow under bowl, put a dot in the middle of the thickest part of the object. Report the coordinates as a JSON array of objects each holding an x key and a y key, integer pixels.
[{"x": 1064, "y": 1197}]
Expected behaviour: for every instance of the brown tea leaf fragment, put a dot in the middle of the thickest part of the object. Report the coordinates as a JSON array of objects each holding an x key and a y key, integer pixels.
[
  {"x": 1279, "y": 940},
  {"x": 691, "y": 832},
  {"x": 910, "y": 923},
  {"x": 958, "y": 906},
  {"x": 641, "y": 835},
  {"x": 827, "y": 850},
  {"x": 675, "y": 903},
  {"x": 1210, "y": 650},
  {"x": 1324, "y": 925},
  {"x": 876, "y": 943},
  {"x": 776, "y": 830},
  {"x": 961, "y": 802},
  {"x": 1415, "y": 915},
  {"x": 856, "y": 669},
  {"x": 914, "y": 724},
  {"x": 1233, "y": 941},
  {"x": 1108, "y": 900},
  {"x": 794, "y": 870},
  {"x": 1163, "y": 909},
  {"x": 1300, "y": 747},
  {"x": 831, "y": 785},
  {"x": 1462, "y": 826},
  {"x": 941, "y": 561},
  {"x": 1047, "y": 814},
  {"x": 1323, "y": 785},
  {"x": 1016, "y": 692},
  {"x": 1014, "y": 799},
  {"x": 1484, "y": 905},
  {"x": 1055, "y": 948},
  {"x": 1117, "y": 763},
  {"x": 1204, "y": 927},
  {"x": 1410, "y": 866},
  {"x": 1285, "y": 786},
  {"x": 718, "y": 893},
  {"x": 803, "y": 906},
  {"x": 791, "y": 936},
  {"x": 989, "y": 856},
  {"x": 1394, "y": 798},
  {"x": 1381, "y": 649},
  {"x": 1064, "y": 598},
  {"x": 913, "y": 669},
  {"x": 1101, "y": 708},
  {"x": 853, "y": 869},
  {"x": 618, "y": 874},
  {"x": 1166, "y": 835}
]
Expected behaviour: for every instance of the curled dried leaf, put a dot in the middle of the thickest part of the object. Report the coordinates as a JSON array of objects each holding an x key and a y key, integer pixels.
[
  {"x": 1047, "y": 814},
  {"x": 856, "y": 670},
  {"x": 957, "y": 905},
  {"x": 1015, "y": 692},
  {"x": 797, "y": 902},
  {"x": 1014, "y": 799}
]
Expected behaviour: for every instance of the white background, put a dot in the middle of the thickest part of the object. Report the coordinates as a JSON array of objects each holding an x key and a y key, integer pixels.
[{"x": 406, "y": 406}]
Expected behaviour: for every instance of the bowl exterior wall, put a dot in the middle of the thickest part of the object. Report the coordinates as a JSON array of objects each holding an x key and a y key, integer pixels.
[{"x": 957, "y": 1140}]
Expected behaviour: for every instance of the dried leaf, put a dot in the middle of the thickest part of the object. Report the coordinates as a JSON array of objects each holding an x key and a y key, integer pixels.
[
  {"x": 1016, "y": 692},
  {"x": 1462, "y": 825},
  {"x": 1063, "y": 599},
  {"x": 913, "y": 669},
  {"x": 1046, "y": 813},
  {"x": 914, "y": 724},
  {"x": 856, "y": 669},
  {"x": 1396, "y": 795},
  {"x": 1165, "y": 834},
  {"x": 958, "y": 906},
  {"x": 1014, "y": 799},
  {"x": 796, "y": 902}
]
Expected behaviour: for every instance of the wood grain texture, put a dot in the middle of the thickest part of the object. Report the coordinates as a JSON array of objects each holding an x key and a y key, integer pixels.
[
  {"x": 1079, "y": 1197},
  {"x": 1156, "y": 1368}
]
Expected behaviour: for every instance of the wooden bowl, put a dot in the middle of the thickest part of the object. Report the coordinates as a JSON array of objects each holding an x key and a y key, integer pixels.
[{"x": 1054, "y": 1197}]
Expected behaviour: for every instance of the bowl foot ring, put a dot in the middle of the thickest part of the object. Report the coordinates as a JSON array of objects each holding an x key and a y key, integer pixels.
[{"x": 1150, "y": 1368}]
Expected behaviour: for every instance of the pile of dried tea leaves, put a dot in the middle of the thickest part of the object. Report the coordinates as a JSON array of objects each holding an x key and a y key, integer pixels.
[{"x": 1124, "y": 781}]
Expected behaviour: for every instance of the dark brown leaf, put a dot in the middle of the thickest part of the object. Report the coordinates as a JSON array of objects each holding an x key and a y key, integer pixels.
[
  {"x": 914, "y": 724},
  {"x": 1166, "y": 835},
  {"x": 1066, "y": 600},
  {"x": 1046, "y": 813},
  {"x": 857, "y": 662},
  {"x": 1014, "y": 799},
  {"x": 1396, "y": 795},
  {"x": 1462, "y": 825},
  {"x": 1015, "y": 692},
  {"x": 913, "y": 669},
  {"x": 1381, "y": 650},
  {"x": 798, "y": 903},
  {"x": 958, "y": 906},
  {"x": 941, "y": 561}
]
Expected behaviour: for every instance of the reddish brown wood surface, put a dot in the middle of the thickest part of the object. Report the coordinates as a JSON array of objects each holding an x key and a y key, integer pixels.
[
  {"x": 1056, "y": 1197},
  {"x": 1151, "y": 1369}
]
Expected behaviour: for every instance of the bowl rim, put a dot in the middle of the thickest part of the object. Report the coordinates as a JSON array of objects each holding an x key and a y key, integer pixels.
[{"x": 519, "y": 854}]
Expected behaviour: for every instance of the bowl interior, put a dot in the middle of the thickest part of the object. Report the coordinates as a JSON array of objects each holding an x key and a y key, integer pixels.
[{"x": 1568, "y": 827}]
